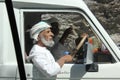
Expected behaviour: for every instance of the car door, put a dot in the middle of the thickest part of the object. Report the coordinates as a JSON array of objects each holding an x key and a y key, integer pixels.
[{"x": 95, "y": 59}]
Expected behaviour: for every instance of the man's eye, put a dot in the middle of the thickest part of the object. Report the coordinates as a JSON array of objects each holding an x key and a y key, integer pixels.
[{"x": 48, "y": 31}]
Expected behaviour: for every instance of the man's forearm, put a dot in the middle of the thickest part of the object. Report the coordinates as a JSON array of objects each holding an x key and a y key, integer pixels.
[{"x": 61, "y": 61}]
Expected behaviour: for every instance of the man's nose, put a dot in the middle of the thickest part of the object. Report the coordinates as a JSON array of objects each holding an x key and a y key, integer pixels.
[{"x": 52, "y": 34}]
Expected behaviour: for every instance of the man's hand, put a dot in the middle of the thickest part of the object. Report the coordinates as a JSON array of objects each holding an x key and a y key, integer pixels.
[
  {"x": 84, "y": 34},
  {"x": 64, "y": 59},
  {"x": 68, "y": 58}
]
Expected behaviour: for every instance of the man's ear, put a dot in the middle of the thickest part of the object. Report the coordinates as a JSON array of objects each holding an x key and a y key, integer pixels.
[{"x": 38, "y": 38}]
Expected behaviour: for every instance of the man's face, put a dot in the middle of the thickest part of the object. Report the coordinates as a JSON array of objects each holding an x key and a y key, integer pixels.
[{"x": 46, "y": 37}]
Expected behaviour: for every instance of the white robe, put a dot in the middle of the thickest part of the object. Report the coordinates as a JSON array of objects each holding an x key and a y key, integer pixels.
[{"x": 44, "y": 62}]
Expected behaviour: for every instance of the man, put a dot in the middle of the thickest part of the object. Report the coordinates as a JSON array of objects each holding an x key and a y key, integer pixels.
[{"x": 44, "y": 65}]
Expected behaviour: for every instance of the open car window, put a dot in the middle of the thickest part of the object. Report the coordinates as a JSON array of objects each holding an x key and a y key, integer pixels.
[{"x": 69, "y": 28}]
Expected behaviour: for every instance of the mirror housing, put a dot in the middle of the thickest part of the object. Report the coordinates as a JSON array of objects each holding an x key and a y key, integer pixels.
[{"x": 92, "y": 67}]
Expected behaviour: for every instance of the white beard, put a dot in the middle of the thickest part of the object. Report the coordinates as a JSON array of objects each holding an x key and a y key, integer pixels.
[{"x": 49, "y": 43}]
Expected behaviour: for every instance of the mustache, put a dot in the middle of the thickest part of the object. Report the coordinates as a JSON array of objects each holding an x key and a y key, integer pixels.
[{"x": 48, "y": 43}]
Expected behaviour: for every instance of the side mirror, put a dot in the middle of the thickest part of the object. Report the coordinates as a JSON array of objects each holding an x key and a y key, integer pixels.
[{"x": 92, "y": 67}]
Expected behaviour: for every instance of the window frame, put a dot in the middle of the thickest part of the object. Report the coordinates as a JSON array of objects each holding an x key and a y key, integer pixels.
[{"x": 94, "y": 29}]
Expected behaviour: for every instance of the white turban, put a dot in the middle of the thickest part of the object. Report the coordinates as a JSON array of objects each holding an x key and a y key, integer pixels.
[{"x": 37, "y": 28}]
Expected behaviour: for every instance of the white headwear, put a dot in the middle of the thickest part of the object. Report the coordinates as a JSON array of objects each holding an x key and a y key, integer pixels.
[{"x": 37, "y": 28}]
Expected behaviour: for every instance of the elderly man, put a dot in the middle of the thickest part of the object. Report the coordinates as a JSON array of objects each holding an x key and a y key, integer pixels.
[{"x": 44, "y": 65}]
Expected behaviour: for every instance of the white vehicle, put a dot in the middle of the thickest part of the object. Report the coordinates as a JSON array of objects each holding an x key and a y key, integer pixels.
[{"x": 104, "y": 65}]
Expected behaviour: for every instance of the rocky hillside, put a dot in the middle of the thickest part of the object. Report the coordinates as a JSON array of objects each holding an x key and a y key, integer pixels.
[{"x": 108, "y": 13}]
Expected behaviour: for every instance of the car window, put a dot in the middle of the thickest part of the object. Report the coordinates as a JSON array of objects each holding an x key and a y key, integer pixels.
[{"x": 69, "y": 29}]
